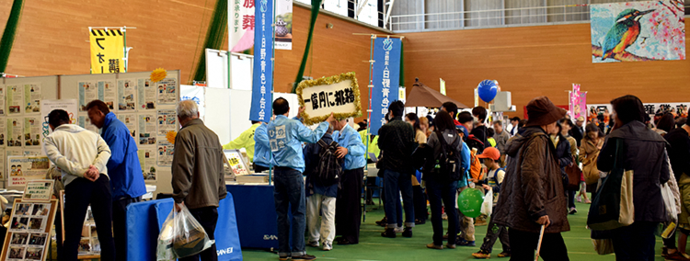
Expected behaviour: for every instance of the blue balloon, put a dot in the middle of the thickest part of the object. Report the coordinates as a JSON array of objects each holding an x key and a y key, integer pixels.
[{"x": 487, "y": 90}]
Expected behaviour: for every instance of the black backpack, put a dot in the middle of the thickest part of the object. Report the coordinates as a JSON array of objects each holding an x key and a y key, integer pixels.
[
  {"x": 330, "y": 167},
  {"x": 450, "y": 159}
]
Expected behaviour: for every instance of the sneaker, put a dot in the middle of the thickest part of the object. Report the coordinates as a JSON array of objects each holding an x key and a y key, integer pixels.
[
  {"x": 480, "y": 223},
  {"x": 450, "y": 246},
  {"x": 588, "y": 201},
  {"x": 578, "y": 198},
  {"x": 572, "y": 211},
  {"x": 444, "y": 216},
  {"x": 283, "y": 258},
  {"x": 463, "y": 242},
  {"x": 389, "y": 233},
  {"x": 327, "y": 247},
  {"x": 481, "y": 255},
  {"x": 433, "y": 246},
  {"x": 504, "y": 254},
  {"x": 313, "y": 244},
  {"x": 407, "y": 232},
  {"x": 399, "y": 229},
  {"x": 303, "y": 257}
]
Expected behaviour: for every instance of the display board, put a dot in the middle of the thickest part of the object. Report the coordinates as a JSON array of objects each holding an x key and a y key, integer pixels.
[
  {"x": 147, "y": 108},
  {"x": 28, "y": 236},
  {"x": 21, "y": 124},
  {"x": 217, "y": 70}
]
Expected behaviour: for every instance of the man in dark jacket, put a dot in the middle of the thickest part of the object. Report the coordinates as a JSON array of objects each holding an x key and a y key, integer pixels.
[
  {"x": 577, "y": 132},
  {"x": 126, "y": 178},
  {"x": 396, "y": 141},
  {"x": 198, "y": 178},
  {"x": 532, "y": 192}
]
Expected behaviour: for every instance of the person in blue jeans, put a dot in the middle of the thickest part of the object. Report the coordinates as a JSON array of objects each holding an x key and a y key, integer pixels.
[
  {"x": 285, "y": 137},
  {"x": 396, "y": 141},
  {"x": 441, "y": 188}
]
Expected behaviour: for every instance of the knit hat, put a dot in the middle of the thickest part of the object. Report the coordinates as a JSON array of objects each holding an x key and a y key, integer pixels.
[{"x": 541, "y": 111}]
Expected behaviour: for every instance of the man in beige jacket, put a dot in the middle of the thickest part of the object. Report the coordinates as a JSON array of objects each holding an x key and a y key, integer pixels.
[{"x": 81, "y": 156}]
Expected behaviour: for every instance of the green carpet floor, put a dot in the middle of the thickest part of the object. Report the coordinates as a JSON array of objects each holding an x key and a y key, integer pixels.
[{"x": 373, "y": 247}]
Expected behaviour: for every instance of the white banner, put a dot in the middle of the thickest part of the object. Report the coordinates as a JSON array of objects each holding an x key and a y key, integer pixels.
[
  {"x": 240, "y": 25},
  {"x": 283, "y": 21}
]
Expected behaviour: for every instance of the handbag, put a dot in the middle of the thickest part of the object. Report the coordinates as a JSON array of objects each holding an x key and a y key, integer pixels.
[
  {"x": 574, "y": 173},
  {"x": 612, "y": 206}
]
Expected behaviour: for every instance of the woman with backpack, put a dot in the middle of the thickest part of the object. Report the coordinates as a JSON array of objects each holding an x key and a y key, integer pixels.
[{"x": 442, "y": 184}]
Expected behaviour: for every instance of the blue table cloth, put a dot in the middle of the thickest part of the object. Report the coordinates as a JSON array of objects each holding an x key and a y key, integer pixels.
[{"x": 256, "y": 215}]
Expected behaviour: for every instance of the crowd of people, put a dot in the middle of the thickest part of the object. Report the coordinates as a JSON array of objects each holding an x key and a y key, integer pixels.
[{"x": 526, "y": 165}]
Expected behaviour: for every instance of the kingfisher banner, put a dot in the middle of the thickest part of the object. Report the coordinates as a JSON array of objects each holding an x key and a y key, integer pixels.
[
  {"x": 262, "y": 85},
  {"x": 241, "y": 22},
  {"x": 638, "y": 31},
  {"x": 107, "y": 51},
  {"x": 386, "y": 79}
]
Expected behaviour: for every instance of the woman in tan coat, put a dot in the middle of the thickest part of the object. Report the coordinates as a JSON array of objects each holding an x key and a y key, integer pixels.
[{"x": 589, "y": 152}]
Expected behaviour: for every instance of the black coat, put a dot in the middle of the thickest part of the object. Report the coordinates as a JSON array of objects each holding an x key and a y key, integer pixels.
[
  {"x": 576, "y": 132},
  {"x": 645, "y": 155}
]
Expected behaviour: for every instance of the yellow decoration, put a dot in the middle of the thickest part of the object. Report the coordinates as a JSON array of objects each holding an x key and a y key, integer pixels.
[
  {"x": 170, "y": 136},
  {"x": 158, "y": 74},
  {"x": 328, "y": 81}
]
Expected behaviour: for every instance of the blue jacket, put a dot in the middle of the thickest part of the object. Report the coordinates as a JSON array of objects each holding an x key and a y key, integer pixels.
[
  {"x": 285, "y": 137},
  {"x": 126, "y": 176},
  {"x": 262, "y": 152},
  {"x": 465, "y": 154},
  {"x": 350, "y": 139}
]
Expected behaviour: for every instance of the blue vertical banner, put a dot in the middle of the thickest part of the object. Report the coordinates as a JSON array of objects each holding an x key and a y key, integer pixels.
[
  {"x": 386, "y": 79},
  {"x": 262, "y": 86}
]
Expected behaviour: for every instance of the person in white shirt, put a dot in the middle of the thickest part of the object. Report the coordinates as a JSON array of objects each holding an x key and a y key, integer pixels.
[{"x": 81, "y": 157}]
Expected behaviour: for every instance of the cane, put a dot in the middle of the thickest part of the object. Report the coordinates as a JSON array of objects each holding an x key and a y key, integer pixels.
[{"x": 541, "y": 236}]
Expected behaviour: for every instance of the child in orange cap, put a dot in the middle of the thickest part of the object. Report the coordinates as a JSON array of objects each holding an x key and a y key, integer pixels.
[{"x": 494, "y": 178}]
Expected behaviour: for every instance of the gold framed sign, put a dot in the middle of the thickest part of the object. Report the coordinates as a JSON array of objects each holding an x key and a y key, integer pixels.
[{"x": 338, "y": 94}]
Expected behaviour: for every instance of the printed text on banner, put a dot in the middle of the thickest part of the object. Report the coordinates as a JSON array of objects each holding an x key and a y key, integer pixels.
[
  {"x": 386, "y": 78},
  {"x": 263, "y": 63}
]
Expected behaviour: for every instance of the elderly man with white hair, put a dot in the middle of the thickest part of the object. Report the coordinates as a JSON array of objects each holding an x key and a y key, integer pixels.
[{"x": 197, "y": 172}]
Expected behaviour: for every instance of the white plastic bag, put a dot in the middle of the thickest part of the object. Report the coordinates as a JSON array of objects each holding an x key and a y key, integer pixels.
[
  {"x": 181, "y": 236},
  {"x": 667, "y": 228},
  {"x": 487, "y": 205}
]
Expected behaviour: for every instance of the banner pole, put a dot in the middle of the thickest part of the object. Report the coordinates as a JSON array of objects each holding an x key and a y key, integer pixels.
[{"x": 124, "y": 34}]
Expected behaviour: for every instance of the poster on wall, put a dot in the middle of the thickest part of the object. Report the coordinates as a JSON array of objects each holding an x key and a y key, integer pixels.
[
  {"x": 2, "y": 99},
  {"x": 147, "y": 129},
  {"x": 167, "y": 91},
  {"x": 283, "y": 23},
  {"x": 32, "y": 132},
  {"x": 130, "y": 120},
  {"x": 147, "y": 94},
  {"x": 3, "y": 158},
  {"x": 15, "y": 99},
  {"x": 165, "y": 153},
  {"x": 24, "y": 168},
  {"x": 32, "y": 98},
  {"x": 126, "y": 95},
  {"x": 3, "y": 133},
  {"x": 68, "y": 105},
  {"x": 87, "y": 92},
  {"x": 638, "y": 31},
  {"x": 14, "y": 132},
  {"x": 167, "y": 121},
  {"x": 107, "y": 93},
  {"x": 147, "y": 158}
]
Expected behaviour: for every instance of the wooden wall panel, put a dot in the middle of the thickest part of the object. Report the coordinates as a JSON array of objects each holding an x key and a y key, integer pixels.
[
  {"x": 52, "y": 37},
  {"x": 534, "y": 61}
]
